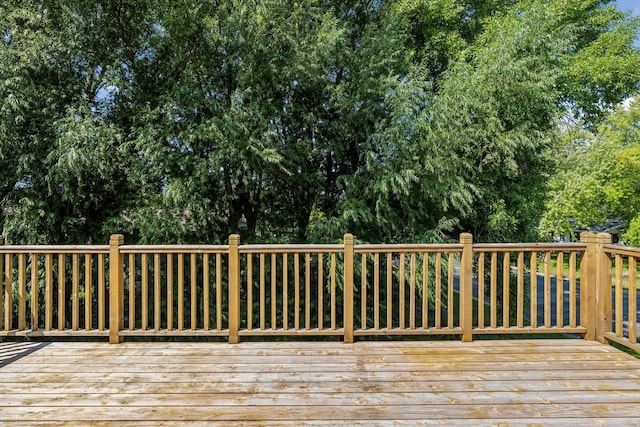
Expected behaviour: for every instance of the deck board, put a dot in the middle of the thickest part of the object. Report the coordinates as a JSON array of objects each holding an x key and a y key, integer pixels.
[{"x": 518, "y": 382}]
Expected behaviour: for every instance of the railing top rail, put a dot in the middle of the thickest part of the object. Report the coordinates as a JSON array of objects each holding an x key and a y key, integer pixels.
[
  {"x": 173, "y": 249},
  {"x": 622, "y": 250},
  {"x": 528, "y": 247},
  {"x": 413, "y": 247},
  {"x": 285, "y": 248},
  {"x": 54, "y": 249},
  {"x": 312, "y": 248}
]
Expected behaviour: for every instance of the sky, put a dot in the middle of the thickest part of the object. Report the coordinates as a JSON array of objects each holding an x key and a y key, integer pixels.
[{"x": 630, "y": 5}]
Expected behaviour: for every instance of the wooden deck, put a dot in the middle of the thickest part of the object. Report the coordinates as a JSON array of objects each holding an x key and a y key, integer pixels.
[{"x": 541, "y": 382}]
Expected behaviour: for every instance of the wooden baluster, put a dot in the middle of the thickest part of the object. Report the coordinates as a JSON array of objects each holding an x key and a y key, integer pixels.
[
  {"x": 132, "y": 292},
  {"x": 307, "y": 292},
  {"x": 194, "y": 292},
  {"x": 506, "y": 276},
  {"x": 533, "y": 280},
  {"x": 547, "y": 289},
  {"x": 520, "y": 291},
  {"x": 633, "y": 309},
  {"x": 493, "y": 287},
  {"x": 333, "y": 291},
  {"x": 425, "y": 290},
  {"x": 285, "y": 292},
  {"x": 8, "y": 292},
  {"x": 572, "y": 289},
  {"x": 145, "y": 292},
  {"x": 88, "y": 292},
  {"x": 22, "y": 291},
  {"x": 262, "y": 296},
  {"x": 102, "y": 305},
  {"x": 180, "y": 291},
  {"x": 249, "y": 291},
  {"x": 35, "y": 297},
  {"x": 75, "y": 285},
  {"x": 62, "y": 303},
  {"x": 481, "y": 296},
  {"x": 48, "y": 292},
  {"x": 412, "y": 291},
  {"x": 156, "y": 292},
  {"x": 169, "y": 291},
  {"x": 401, "y": 293},
  {"x": 205, "y": 291},
  {"x": 618, "y": 292},
  {"x": 296, "y": 311},
  {"x": 274, "y": 295},
  {"x": 560, "y": 290},
  {"x": 320, "y": 291},
  {"x": 363, "y": 291},
  {"x": 219, "y": 289},
  {"x": 389, "y": 291},
  {"x": 376, "y": 291}
]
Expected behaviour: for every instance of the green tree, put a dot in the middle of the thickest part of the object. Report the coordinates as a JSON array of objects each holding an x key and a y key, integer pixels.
[
  {"x": 466, "y": 145},
  {"x": 598, "y": 176},
  {"x": 61, "y": 159},
  {"x": 397, "y": 120},
  {"x": 230, "y": 137}
]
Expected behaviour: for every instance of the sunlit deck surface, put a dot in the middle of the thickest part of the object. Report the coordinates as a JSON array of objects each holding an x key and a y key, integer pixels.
[{"x": 517, "y": 382}]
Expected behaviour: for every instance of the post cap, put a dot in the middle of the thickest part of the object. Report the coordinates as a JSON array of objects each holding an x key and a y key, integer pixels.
[
  {"x": 466, "y": 238},
  {"x": 116, "y": 239},
  {"x": 588, "y": 237},
  {"x": 604, "y": 238}
]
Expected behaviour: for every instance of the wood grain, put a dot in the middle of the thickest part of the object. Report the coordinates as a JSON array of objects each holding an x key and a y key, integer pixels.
[{"x": 485, "y": 382}]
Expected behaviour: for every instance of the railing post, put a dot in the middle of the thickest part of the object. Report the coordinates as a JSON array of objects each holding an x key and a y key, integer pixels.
[
  {"x": 116, "y": 288},
  {"x": 588, "y": 285},
  {"x": 466, "y": 287},
  {"x": 234, "y": 288},
  {"x": 348, "y": 288},
  {"x": 603, "y": 288}
]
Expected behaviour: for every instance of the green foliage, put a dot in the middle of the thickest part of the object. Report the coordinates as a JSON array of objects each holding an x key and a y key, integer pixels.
[
  {"x": 607, "y": 64},
  {"x": 598, "y": 176},
  {"x": 632, "y": 236},
  {"x": 292, "y": 121}
]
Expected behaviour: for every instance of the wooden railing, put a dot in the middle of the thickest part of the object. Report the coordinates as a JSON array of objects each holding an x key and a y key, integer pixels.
[
  {"x": 346, "y": 290},
  {"x": 292, "y": 289},
  {"x": 407, "y": 290},
  {"x": 525, "y": 274},
  {"x": 53, "y": 290},
  {"x": 172, "y": 289},
  {"x": 622, "y": 326}
]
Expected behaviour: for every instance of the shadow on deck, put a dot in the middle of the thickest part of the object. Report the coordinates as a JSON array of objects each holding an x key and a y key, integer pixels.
[{"x": 519, "y": 382}]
